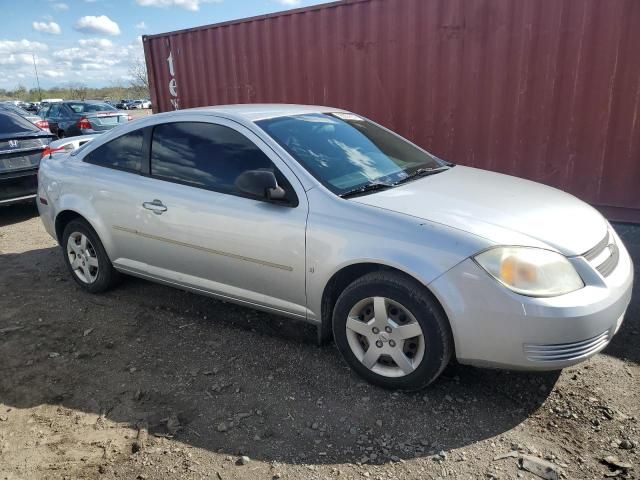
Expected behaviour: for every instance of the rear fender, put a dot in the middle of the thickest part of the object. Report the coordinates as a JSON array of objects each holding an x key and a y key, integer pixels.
[{"x": 73, "y": 203}]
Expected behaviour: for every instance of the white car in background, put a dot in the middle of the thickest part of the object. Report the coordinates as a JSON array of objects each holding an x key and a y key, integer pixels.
[
  {"x": 66, "y": 145},
  {"x": 138, "y": 105}
]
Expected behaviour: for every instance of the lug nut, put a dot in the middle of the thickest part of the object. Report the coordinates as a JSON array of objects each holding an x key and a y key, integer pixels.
[
  {"x": 375, "y": 330},
  {"x": 387, "y": 329},
  {"x": 379, "y": 344},
  {"x": 392, "y": 343}
]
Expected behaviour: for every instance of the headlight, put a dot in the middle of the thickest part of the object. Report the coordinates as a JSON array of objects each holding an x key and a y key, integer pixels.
[{"x": 531, "y": 271}]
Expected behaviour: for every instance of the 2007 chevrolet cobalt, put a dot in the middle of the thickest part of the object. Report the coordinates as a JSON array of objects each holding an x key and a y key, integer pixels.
[{"x": 320, "y": 214}]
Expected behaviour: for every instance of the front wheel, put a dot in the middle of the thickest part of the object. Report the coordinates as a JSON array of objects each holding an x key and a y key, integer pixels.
[{"x": 392, "y": 332}]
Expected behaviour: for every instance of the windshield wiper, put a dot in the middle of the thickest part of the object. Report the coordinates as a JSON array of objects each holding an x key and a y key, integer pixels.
[
  {"x": 423, "y": 172},
  {"x": 369, "y": 187}
]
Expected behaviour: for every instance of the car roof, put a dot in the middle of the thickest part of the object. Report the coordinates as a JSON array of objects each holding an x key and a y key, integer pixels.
[{"x": 260, "y": 111}]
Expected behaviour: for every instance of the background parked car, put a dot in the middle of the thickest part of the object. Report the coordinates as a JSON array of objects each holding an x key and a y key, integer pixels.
[
  {"x": 21, "y": 147},
  {"x": 35, "y": 119},
  {"x": 71, "y": 118},
  {"x": 32, "y": 106},
  {"x": 66, "y": 145},
  {"x": 138, "y": 104},
  {"x": 122, "y": 104}
]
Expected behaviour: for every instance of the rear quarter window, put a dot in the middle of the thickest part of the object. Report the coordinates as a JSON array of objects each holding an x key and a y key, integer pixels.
[{"x": 122, "y": 153}]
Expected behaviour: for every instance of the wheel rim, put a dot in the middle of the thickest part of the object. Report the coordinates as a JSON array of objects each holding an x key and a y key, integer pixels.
[
  {"x": 385, "y": 337},
  {"x": 82, "y": 257}
]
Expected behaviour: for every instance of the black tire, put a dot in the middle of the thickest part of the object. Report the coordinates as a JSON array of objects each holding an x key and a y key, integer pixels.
[
  {"x": 438, "y": 340},
  {"x": 107, "y": 276},
  {"x": 60, "y": 134}
]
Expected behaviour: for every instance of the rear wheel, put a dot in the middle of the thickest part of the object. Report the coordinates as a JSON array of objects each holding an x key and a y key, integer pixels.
[
  {"x": 392, "y": 332},
  {"x": 61, "y": 134},
  {"x": 86, "y": 258}
]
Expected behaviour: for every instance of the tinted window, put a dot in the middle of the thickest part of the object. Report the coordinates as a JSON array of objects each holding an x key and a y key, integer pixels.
[
  {"x": 345, "y": 151},
  {"x": 204, "y": 155},
  {"x": 12, "y": 123},
  {"x": 14, "y": 109},
  {"x": 54, "y": 110},
  {"x": 123, "y": 153}
]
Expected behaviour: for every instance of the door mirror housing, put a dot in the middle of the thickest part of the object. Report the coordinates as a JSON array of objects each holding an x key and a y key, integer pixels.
[{"x": 261, "y": 184}]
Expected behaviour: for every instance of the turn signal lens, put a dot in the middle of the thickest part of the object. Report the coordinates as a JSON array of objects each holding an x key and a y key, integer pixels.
[
  {"x": 529, "y": 271},
  {"x": 48, "y": 151}
]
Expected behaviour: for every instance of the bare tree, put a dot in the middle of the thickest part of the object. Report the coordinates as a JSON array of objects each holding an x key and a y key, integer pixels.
[
  {"x": 139, "y": 80},
  {"x": 78, "y": 91}
]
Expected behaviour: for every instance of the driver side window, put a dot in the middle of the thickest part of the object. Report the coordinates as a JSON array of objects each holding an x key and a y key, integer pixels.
[{"x": 207, "y": 156}]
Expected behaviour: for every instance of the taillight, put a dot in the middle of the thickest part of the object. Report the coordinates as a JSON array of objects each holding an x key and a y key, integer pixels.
[
  {"x": 83, "y": 124},
  {"x": 43, "y": 124},
  {"x": 48, "y": 151},
  {"x": 129, "y": 118}
]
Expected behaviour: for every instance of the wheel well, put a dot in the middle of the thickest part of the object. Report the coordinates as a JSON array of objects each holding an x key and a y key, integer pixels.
[
  {"x": 336, "y": 285},
  {"x": 62, "y": 220}
]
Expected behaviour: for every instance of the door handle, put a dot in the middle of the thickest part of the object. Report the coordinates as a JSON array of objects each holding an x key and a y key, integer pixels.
[{"x": 156, "y": 207}]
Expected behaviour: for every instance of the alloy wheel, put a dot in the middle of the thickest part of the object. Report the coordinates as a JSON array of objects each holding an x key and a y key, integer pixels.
[
  {"x": 82, "y": 257},
  {"x": 385, "y": 337}
]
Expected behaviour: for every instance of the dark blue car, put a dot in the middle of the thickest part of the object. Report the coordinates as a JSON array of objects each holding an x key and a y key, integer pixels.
[{"x": 71, "y": 118}]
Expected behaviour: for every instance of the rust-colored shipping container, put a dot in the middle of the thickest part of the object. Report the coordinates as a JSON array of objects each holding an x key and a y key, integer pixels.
[{"x": 547, "y": 90}]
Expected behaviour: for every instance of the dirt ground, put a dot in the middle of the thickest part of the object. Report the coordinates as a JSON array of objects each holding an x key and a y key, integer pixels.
[{"x": 149, "y": 382}]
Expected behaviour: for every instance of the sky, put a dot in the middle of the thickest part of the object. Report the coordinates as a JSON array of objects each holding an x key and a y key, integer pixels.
[{"x": 95, "y": 41}]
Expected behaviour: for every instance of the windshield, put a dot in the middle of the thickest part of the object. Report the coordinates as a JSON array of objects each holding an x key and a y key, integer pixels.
[{"x": 345, "y": 151}]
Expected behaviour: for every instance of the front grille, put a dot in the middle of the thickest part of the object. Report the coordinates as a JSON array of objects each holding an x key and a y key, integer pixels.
[
  {"x": 565, "y": 351},
  {"x": 604, "y": 256}
]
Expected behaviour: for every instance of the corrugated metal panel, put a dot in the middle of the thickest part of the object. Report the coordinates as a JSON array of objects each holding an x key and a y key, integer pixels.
[{"x": 544, "y": 90}]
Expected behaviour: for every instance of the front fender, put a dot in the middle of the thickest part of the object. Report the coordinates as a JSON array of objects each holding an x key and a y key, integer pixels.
[{"x": 361, "y": 234}]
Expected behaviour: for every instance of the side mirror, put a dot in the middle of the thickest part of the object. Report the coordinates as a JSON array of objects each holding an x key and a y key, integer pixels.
[{"x": 260, "y": 183}]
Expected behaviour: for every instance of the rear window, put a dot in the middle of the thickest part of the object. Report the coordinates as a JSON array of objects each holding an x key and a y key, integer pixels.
[
  {"x": 90, "y": 107},
  {"x": 12, "y": 123},
  {"x": 12, "y": 108}
]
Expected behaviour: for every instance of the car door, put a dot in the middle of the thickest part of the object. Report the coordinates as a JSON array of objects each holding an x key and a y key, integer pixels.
[
  {"x": 202, "y": 233},
  {"x": 68, "y": 120},
  {"x": 53, "y": 117}
]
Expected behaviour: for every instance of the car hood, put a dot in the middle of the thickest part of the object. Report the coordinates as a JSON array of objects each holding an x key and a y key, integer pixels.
[{"x": 503, "y": 209}]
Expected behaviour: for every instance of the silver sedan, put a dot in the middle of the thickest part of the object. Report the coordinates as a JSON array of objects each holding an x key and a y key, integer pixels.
[{"x": 319, "y": 214}]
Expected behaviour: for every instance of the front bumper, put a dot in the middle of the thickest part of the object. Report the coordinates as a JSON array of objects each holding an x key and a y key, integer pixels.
[{"x": 493, "y": 326}]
